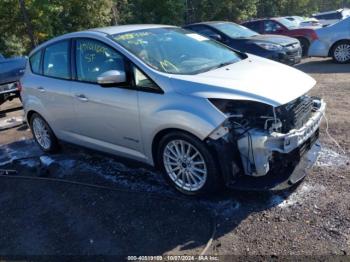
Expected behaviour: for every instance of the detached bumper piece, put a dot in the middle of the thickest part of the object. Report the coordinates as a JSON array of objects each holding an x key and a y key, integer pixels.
[{"x": 287, "y": 170}]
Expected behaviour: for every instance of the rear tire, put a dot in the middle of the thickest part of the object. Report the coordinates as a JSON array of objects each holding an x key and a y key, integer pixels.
[
  {"x": 43, "y": 134},
  {"x": 187, "y": 164},
  {"x": 341, "y": 52}
]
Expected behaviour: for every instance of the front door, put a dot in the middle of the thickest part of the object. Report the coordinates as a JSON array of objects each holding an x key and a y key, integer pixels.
[{"x": 108, "y": 117}]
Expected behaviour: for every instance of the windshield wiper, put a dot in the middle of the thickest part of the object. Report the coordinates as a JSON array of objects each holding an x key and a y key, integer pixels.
[
  {"x": 207, "y": 69},
  {"x": 222, "y": 65}
]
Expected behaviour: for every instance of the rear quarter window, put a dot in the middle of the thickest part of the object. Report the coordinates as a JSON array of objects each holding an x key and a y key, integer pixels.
[{"x": 34, "y": 61}]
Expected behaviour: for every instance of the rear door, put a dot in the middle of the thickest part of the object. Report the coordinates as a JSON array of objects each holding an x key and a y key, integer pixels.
[
  {"x": 48, "y": 87},
  {"x": 107, "y": 117}
]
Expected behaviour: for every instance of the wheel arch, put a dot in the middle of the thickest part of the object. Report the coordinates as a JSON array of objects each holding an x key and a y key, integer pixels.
[
  {"x": 158, "y": 137},
  {"x": 303, "y": 38},
  {"x": 29, "y": 115}
]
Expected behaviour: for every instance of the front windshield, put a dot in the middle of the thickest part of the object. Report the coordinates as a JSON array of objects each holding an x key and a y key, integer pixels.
[
  {"x": 287, "y": 23},
  {"x": 176, "y": 51},
  {"x": 234, "y": 30}
]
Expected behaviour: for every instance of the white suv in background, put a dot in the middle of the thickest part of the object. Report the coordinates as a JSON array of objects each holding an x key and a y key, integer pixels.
[{"x": 332, "y": 17}]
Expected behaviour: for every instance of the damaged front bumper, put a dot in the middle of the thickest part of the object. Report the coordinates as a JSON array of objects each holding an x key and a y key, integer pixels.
[
  {"x": 257, "y": 147},
  {"x": 270, "y": 157}
]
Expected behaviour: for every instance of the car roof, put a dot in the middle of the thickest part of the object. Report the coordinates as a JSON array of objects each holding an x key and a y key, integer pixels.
[
  {"x": 331, "y": 12},
  {"x": 111, "y": 30},
  {"x": 261, "y": 19},
  {"x": 208, "y": 23}
]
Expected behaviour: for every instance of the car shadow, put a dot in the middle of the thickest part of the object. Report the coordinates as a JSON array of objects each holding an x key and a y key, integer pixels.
[
  {"x": 323, "y": 66},
  {"x": 130, "y": 210}
]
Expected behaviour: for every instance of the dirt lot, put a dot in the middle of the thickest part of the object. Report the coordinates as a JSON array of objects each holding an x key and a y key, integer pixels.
[{"x": 41, "y": 217}]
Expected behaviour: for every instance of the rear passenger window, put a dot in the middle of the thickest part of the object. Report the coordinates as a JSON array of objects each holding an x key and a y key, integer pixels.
[
  {"x": 204, "y": 30},
  {"x": 35, "y": 62},
  {"x": 94, "y": 58},
  {"x": 56, "y": 62}
]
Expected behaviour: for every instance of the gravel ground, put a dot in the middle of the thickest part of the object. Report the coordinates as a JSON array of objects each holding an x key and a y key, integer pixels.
[{"x": 312, "y": 220}]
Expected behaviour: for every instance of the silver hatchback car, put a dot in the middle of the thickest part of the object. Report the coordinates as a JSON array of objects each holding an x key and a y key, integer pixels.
[
  {"x": 204, "y": 114},
  {"x": 333, "y": 41}
]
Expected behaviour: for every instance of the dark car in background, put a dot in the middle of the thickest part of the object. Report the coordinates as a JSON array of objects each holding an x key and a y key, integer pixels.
[
  {"x": 283, "y": 49},
  {"x": 282, "y": 26},
  {"x": 11, "y": 70}
]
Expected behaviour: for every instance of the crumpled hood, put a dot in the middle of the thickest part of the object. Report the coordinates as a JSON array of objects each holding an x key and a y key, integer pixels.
[{"x": 254, "y": 78}]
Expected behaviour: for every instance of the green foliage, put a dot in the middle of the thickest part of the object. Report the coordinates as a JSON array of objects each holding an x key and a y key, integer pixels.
[
  {"x": 50, "y": 18},
  {"x": 231, "y": 10},
  {"x": 157, "y": 12}
]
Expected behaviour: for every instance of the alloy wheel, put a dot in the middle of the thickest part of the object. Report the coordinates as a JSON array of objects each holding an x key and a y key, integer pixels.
[
  {"x": 41, "y": 133},
  {"x": 185, "y": 165},
  {"x": 342, "y": 53}
]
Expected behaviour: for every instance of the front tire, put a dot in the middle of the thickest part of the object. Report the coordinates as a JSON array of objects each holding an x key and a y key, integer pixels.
[
  {"x": 43, "y": 134},
  {"x": 341, "y": 52},
  {"x": 187, "y": 164}
]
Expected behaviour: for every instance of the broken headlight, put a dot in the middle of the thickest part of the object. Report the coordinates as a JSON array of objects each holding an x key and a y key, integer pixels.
[{"x": 248, "y": 114}]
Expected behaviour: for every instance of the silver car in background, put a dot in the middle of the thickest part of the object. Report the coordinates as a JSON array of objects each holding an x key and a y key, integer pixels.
[
  {"x": 333, "y": 41},
  {"x": 204, "y": 114}
]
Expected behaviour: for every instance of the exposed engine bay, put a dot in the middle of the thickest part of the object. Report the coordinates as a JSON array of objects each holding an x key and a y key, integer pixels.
[{"x": 263, "y": 135}]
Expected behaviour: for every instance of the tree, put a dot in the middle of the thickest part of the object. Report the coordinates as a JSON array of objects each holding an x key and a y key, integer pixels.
[
  {"x": 157, "y": 12},
  {"x": 27, "y": 22},
  {"x": 24, "y": 23},
  {"x": 231, "y": 10}
]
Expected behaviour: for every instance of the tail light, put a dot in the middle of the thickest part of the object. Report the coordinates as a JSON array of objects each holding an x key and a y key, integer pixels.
[
  {"x": 313, "y": 36},
  {"x": 19, "y": 86}
]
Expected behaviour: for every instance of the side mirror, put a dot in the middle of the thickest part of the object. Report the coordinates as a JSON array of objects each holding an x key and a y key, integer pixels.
[
  {"x": 216, "y": 37},
  {"x": 112, "y": 77}
]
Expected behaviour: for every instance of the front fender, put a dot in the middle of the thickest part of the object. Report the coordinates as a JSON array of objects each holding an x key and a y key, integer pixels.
[{"x": 194, "y": 115}]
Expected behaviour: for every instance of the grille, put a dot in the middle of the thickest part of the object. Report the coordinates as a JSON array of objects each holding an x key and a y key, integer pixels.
[
  {"x": 294, "y": 46},
  {"x": 295, "y": 114}
]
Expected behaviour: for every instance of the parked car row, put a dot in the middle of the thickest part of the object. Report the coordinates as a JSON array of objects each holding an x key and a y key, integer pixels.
[{"x": 279, "y": 48}]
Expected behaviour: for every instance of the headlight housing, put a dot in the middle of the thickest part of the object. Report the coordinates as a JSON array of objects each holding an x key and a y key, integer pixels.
[
  {"x": 247, "y": 114},
  {"x": 242, "y": 108},
  {"x": 269, "y": 46}
]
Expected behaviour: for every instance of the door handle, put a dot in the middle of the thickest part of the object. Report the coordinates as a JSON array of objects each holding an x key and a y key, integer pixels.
[
  {"x": 41, "y": 89},
  {"x": 82, "y": 98}
]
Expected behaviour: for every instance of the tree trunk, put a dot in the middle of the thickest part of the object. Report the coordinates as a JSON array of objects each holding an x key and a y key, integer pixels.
[
  {"x": 115, "y": 15},
  {"x": 27, "y": 23}
]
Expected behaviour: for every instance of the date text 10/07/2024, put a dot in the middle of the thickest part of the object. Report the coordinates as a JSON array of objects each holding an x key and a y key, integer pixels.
[{"x": 173, "y": 258}]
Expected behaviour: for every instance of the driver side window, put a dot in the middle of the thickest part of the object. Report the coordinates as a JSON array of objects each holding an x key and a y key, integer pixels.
[
  {"x": 271, "y": 27},
  {"x": 94, "y": 58}
]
